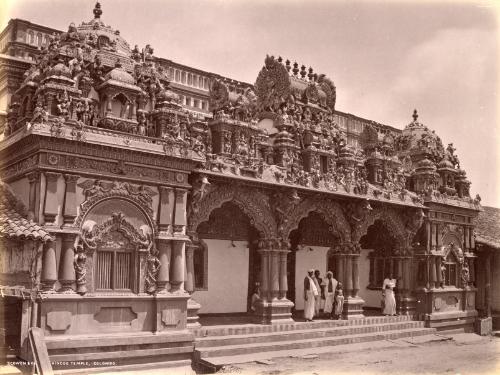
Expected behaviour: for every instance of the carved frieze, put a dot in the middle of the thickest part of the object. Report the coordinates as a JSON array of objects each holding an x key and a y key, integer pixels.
[{"x": 96, "y": 190}]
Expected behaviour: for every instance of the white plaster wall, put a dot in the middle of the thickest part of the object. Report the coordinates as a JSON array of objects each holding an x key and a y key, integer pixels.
[
  {"x": 227, "y": 278},
  {"x": 495, "y": 282},
  {"x": 308, "y": 257},
  {"x": 371, "y": 297}
]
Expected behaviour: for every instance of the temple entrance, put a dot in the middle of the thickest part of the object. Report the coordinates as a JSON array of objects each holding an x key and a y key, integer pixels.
[
  {"x": 310, "y": 244},
  {"x": 231, "y": 262},
  {"x": 378, "y": 261}
]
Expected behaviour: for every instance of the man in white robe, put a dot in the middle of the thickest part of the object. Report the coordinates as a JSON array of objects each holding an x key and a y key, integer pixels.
[
  {"x": 310, "y": 293},
  {"x": 330, "y": 287}
]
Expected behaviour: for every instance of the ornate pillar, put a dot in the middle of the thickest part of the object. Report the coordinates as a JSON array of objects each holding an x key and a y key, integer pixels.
[
  {"x": 283, "y": 273},
  {"x": 49, "y": 268},
  {"x": 433, "y": 276},
  {"x": 70, "y": 203},
  {"x": 189, "y": 276},
  {"x": 66, "y": 267},
  {"x": 165, "y": 210},
  {"x": 348, "y": 276},
  {"x": 347, "y": 265},
  {"x": 264, "y": 274},
  {"x": 355, "y": 275},
  {"x": 34, "y": 180},
  {"x": 275, "y": 275},
  {"x": 340, "y": 269},
  {"x": 177, "y": 267},
  {"x": 273, "y": 307},
  {"x": 192, "y": 305},
  {"x": 51, "y": 208},
  {"x": 165, "y": 252}
]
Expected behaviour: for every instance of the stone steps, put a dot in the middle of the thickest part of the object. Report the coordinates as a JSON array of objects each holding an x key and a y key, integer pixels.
[
  {"x": 245, "y": 329},
  {"x": 302, "y": 334},
  {"x": 214, "y": 358}
]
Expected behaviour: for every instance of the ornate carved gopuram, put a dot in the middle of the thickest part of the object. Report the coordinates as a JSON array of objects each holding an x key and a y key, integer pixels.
[{"x": 161, "y": 213}]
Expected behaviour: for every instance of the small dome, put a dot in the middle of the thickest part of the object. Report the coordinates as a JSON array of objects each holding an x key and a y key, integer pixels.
[
  {"x": 425, "y": 164},
  {"x": 445, "y": 163},
  {"x": 120, "y": 75}
]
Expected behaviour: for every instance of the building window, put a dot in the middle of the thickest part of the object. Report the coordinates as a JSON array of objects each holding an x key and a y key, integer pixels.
[
  {"x": 195, "y": 80},
  {"x": 177, "y": 76},
  {"x": 114, "y": 264},
  {"x": 200, "y": 259},
  {"x": 183, "y": 78},
  {"x": 190, "y": 79},
  {"x": 449, "y": 270},
  {"x": 31, "y": 37},
  {"x": 181, "y": 99},
  {"x": 188, "y": 101},
  {"x": 170, "y": 73},
  {"x": 205, "y": 83},
  {"x": 204, "y": 105},
  {"x": 39, "y": 39},
  {"x": 196, "y": 103}
]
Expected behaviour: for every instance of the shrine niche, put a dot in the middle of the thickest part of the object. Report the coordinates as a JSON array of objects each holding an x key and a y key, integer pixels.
[{"x": 116, "y": 254}]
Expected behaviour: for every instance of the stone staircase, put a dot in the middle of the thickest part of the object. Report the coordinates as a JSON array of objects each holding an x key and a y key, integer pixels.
[{"x": 216, "y": 346}]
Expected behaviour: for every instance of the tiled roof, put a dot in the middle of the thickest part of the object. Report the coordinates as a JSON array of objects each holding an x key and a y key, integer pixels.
[
  {"x": 13, "y": 219},
  {"x": 488, "y": 227}
]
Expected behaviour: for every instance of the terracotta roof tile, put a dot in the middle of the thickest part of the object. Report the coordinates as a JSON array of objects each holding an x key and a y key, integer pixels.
[
  {"x": 488, "y": 227},
  {"x": 13, "y": 221}
]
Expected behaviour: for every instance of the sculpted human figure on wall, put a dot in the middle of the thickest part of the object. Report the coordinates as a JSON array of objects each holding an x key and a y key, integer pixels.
[{"x": 85, "y": 242}]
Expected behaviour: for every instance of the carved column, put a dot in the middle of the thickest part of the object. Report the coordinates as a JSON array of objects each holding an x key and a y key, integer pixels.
[
  {"x": 180, "y": 212},
  {"x": 165, "y": 210},
  {"x": 275, "y": 275},
  {"x": 70, "y": 203},
  {"x": 189, "y": 277},
  {"x": 264, "y": 274},
  {"x": 433, "y": 275},
  {"x": 165, "y": 252},
  {"x": 283, "y": 273},
  {"x": 348, "y": 276},
  {"x": 355, "y": 275},
  {"x": 66, "y": 267},
  {"x": 340, "y": 269},
  {"x": 49, "y": 268},
  {"x": 177, "y": 267},
  {"x": 273, "y": 307},
  {"x": 51, "y": 199},
  {"x": 34, "y": 180}
]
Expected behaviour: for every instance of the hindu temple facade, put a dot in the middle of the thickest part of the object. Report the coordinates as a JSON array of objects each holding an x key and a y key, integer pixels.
[{"x": 156, "y": 212}]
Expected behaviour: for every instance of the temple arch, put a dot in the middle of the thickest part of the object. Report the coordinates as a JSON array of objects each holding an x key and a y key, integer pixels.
[
  {"x": 330, "y": 210},
  {"x": 253, "y": 203}
]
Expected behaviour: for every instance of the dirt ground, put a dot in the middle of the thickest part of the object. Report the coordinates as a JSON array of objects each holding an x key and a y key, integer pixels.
[{"x": 447, "y": 354}]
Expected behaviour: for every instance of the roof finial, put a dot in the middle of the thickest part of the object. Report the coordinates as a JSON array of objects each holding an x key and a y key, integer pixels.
[
  {"x": 97, "y": 10},
  {"x": 415, "y": 115}
]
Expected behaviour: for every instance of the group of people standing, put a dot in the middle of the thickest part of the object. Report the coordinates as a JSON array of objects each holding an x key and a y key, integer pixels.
[{"x": 323, "y": 294}]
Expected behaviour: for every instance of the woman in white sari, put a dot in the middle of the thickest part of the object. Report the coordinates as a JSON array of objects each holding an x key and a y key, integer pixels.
[{"x": 388, "y": 296}]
